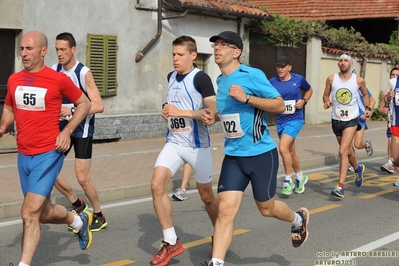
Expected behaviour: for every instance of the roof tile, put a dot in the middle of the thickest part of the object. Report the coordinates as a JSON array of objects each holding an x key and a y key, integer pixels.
[
  {"x": 237, "y": 6},
  {"x": 332, "y": 9}
]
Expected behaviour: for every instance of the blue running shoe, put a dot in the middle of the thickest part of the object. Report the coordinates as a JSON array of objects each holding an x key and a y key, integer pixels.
[
  {"x": 84, "y": 234},
  {"x": 359, "y": 175},
  {"x": 338, "y": 192}
]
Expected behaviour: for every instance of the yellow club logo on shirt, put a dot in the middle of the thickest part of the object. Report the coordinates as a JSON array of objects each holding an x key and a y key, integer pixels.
[{"x": 343, "y": 96}]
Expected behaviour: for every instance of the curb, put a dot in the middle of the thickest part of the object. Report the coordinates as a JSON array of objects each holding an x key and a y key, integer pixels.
[{"x": 13, "y": 209}]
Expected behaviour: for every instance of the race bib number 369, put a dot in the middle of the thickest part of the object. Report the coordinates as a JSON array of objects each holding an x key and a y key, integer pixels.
[
  {"x": 30, "y": 98},
  {"x": 179, "y": 125}
]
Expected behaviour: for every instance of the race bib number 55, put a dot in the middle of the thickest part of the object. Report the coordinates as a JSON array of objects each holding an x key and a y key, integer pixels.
[{"x": 30, "y": 98}]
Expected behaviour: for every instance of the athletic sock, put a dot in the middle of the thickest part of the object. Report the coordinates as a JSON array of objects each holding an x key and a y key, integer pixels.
[
  {"x": 77, "y": 203},
  {"x": 341, "y": 185},
  {"x": 98, "y": 214},
  {"x": 169, "y": 236},
  {"x": 298, "y": 220},
  {"x": 22, "y": 264},
  {"x": 77, "y": 222},
  {"x": 288, "y": 178},
  {"x": 299, "y": 176},
  {"x": 218, "y": 262}
]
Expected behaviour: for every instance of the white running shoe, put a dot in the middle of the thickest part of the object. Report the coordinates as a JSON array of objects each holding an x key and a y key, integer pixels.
[
  {"x": 388, "y": 168},
  {"x": 369, "y": 147},
  {"x": 180, "y": 194}
]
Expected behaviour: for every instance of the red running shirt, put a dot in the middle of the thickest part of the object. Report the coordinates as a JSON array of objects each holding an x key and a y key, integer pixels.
[{"x": 36, "y": 99}]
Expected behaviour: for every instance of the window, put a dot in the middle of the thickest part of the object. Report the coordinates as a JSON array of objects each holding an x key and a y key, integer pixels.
[
  {"x": 200, "y": 61},
  {"x": 102, "y": 60}
]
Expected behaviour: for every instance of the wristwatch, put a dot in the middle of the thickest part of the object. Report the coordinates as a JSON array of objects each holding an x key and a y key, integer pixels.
[
  {"x": 247, "y": 99},
  {"x": 73, "y": 109},
  {"x": 306, "y": 101}
]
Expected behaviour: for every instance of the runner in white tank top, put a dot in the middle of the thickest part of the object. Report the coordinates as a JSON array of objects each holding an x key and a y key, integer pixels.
[
  {"x": 190, "y": 90},
  {"x": 343, "y": 88}
]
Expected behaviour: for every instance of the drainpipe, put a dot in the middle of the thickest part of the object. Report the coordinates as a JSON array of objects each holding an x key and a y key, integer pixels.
[{"x": 141, "y": 54}]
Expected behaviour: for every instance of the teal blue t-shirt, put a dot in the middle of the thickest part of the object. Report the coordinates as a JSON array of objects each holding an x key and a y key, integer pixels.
[{"x": 245, "y": 126}]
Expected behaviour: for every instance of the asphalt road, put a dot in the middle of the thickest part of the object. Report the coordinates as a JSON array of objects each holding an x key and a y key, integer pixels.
[{"x": 361, "y": 229}]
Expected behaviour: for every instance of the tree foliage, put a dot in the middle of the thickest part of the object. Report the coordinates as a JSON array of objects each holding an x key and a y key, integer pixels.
[{"x": 296, "y": 33}]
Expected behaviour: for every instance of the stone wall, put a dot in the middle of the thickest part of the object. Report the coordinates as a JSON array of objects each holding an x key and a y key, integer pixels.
[{"x": 134, "y": 126}]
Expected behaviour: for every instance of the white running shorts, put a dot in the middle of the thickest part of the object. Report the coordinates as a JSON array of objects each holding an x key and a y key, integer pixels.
[{"x": 174, "y": 156}]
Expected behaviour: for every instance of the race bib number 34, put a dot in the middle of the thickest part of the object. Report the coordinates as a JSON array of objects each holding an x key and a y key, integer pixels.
[
  {"x": 344, "y": 112},
  {"x": 30, "y": 98},
  {"x": 231, "y": 126}
]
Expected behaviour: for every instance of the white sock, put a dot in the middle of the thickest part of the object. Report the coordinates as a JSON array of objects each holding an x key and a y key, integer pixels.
[
  {"x": 390, "y": 161},
  {"x": 299, "y": 176},
  {"x": 22, "y": 264},
  {"x": 218, "y": 262},
  {"x": 169, "y": 236},
  {"x": 298, "y": 220},
  {"x": 288, "y": 178},
  {"x": 77, "y": 222}
]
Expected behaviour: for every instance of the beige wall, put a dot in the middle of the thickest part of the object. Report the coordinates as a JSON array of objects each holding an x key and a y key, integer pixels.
[{"x": 11, "y": 14}]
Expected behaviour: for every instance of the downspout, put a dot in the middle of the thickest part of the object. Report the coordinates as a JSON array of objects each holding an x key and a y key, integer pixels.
[
  {"x": 140, "y": 55},
  {"x": 239, "y": 26}
]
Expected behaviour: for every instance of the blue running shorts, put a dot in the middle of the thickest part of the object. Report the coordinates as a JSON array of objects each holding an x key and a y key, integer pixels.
[
  {"x": 388, "y": 133},
  {"x": 260, "y": 170},
  {"x": 290, "y": 128},
  {"x": 38, "y": 173}
]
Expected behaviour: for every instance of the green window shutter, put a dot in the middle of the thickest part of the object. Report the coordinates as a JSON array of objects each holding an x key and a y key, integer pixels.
[{"x": 102, "y": 61}]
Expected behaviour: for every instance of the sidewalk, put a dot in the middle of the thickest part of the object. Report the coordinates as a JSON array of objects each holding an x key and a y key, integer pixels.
[{"x": 123, "y": 170}]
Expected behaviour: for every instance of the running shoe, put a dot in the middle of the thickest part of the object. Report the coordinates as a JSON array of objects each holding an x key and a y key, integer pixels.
[
  {"x": 300, "y": 185},
  {"x": 179, "y": 194},
  {"x": 338, "y": 192},
  {"x": 166, "y": 252},
  {"x": 98, "y": 223},
  {"x": 369, "y": 147},
  {"x": 83, "y": 207},
  {"x": 350, "y": 168},
  {"x": 359, "y": 176},
  {"x": 396, "y": 184},
  {"x": 207, "y": 263},
  {"x": 84, "y": 234},
  {"x": 388, "y": 168},
  {"x": 300, "y": 234},
  {"x": 288, "y": 186}
]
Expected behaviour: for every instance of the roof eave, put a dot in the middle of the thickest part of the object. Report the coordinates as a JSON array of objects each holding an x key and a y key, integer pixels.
[{"x": 222, "y": 13}]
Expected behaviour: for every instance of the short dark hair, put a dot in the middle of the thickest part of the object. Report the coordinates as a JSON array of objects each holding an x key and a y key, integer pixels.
[
  {"x": 66, "y": 36},
  {"x": 392, "y": 70},
  {"x": 187, "y": 41}
]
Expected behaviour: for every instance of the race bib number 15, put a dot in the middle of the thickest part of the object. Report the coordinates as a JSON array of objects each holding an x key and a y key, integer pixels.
[
  {"x": 30, "y": 98},
  {"x": 289, "y": 107}
]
